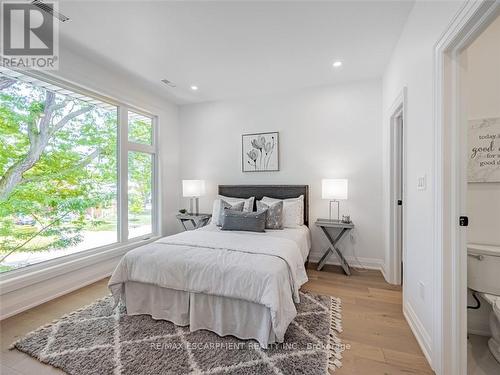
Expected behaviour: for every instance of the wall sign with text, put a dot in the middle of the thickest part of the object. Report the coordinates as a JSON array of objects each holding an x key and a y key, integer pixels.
[{"x": 484, "y": 150}]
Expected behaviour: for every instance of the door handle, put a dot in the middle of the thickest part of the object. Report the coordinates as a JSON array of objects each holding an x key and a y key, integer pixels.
[{"x": 463, "y": 221}]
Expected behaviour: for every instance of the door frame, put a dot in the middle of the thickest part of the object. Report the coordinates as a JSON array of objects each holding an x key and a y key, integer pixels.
[
  {"x": 396, "y": 255},
  {"x": 450, "y": 188}
]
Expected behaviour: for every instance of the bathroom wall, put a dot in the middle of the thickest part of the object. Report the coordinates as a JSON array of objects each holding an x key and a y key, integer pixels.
[
  {"x": 483, "y": 199},
  {"x": 483, "y": 86}
]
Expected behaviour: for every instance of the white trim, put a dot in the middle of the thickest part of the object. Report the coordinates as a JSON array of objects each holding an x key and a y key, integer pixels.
[
  {"x": 139, "y": 147},
  {"x": 450, "y": 280},
  {"x": 383, "y": 271},
  {"x": 399, "y": 107},
  {"x": 418, "y": 329}
]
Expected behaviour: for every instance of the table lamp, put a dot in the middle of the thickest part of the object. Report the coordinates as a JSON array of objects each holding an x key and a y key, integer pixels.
[
  {"x": 334, "y": 190},
  {"x": 193, "y": 189}
]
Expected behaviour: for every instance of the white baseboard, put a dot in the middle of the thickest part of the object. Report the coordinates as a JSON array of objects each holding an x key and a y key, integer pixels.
[
  {"x": 422, "y": 336},
  {"x": 355, "y": 262},
  {"x": 382, "y": 269}
]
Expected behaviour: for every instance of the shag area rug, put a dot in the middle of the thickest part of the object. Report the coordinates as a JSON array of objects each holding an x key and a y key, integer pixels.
[{"x": 98, "y": 340}]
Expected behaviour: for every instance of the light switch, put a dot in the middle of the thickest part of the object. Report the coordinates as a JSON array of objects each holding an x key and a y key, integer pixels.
[{"x": 422, "y": 182}]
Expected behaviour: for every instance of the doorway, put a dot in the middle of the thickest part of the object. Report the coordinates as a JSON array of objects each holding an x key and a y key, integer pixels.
[
  {"x": 451, "y": 176},
  {"x": 397, "y": 187},
  {"x": 480, "y": 90}
]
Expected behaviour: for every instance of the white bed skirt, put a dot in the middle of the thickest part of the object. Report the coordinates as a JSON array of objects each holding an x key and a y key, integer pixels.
[{"x": 222, "y": 315}]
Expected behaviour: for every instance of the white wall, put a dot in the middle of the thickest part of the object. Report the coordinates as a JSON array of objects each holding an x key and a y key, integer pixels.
[
  {"x": 411, "y": 65},
  {"x": 483, "y": 97},
  {"x": 327, "y": 132}
]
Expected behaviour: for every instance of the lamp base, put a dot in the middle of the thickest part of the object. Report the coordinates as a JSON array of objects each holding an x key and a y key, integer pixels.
[
  {"x": 338, "y": 209},
  {"x": 194, "y": 203}
]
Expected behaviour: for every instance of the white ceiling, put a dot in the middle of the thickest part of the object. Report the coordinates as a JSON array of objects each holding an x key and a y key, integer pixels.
[{"x": 234, "y": 49}]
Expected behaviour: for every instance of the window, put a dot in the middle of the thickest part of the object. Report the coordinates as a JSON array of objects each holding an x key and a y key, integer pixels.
[
  {"x": 140, "y": 129},
  {"x": 61, "y": 172},
  {"x": 140, "y": 182},
  {"x": 140, "y": 174}
]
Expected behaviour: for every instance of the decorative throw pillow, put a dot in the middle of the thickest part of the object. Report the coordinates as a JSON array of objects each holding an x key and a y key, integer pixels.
[
  {"x": 293, "y": 210},
  {"x": 244, "y": 221},
  {"x": 227, "y": 206},
  {"x": 248, "y": 206},
  {"x": 274, "y": 217}
]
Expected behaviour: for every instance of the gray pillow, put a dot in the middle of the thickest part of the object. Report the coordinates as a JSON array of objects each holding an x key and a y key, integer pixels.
[
  {"x": 227, "y": 206},
  {"x": 274, "y": 217},
  {"x": 245, "y": 221}
]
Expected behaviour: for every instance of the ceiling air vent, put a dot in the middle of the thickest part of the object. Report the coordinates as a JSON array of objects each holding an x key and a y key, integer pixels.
[
  {"x": 48, "y": 8},
  {"x": 168, "y": 83}
]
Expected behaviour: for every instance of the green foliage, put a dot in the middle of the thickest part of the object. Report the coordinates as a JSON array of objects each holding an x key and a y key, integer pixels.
[
  {"x": 76, "y": 171},
  {"x": 4, "y": 268},
  {"x": 140, "y": 181},
  {"x": 140, "y": 130},
  {"x": 70, "y": 188}
]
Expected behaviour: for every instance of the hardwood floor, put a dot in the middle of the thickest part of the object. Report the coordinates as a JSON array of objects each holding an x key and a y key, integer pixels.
[
  {"x": 372, "y": 317},
  {"x": 380, "y": 339}
]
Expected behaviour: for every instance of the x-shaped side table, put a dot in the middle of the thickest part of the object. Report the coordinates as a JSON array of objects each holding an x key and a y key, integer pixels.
[
  {"x": 197, "y": 221},
  {"x": 324, "y": 224}
]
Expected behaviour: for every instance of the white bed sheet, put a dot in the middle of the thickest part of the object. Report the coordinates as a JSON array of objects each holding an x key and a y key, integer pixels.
[
  {"x": 223, "y": 315},
  {"x": 300, "y": 235}
]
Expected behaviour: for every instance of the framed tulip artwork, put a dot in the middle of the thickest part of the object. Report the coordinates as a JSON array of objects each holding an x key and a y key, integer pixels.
[{"x": 260, "y": 152}]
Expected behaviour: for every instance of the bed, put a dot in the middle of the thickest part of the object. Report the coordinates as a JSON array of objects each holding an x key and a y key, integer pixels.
[{"x": 243, "y": 284}]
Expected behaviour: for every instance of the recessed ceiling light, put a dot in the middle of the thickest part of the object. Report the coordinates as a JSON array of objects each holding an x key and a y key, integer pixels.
[
  {"x": 337, "y": 64},
  {"x": 194, "y": 88}
]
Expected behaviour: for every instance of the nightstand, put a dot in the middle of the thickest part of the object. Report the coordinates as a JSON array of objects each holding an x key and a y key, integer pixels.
[
  {"x": 197, "y": 221},
  {"x": 342, "y": 229}
]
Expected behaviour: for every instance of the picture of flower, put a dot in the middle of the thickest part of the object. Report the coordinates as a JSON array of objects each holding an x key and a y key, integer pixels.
[{"x": 260, "y": 152}]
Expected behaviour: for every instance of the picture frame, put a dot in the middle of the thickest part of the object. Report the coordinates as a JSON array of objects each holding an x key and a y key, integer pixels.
[
  {"x": 260, "y": 152},
  {"x": 484, "y": 150}
]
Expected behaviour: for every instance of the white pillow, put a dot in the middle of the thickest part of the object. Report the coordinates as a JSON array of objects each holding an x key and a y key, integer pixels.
[
  {"x": 248, "y": 206},
  {"x": 293, "y": 210}
]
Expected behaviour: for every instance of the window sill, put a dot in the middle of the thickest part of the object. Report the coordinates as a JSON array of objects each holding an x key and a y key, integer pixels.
[{"x": 24, "y": 277}]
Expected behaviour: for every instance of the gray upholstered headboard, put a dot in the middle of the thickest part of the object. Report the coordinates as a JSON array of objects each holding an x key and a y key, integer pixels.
[{"x": 273, "y": 191}]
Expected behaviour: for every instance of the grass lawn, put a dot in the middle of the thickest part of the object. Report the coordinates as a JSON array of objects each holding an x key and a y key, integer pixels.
[
  {"x": 111, "y": 225},
  {"x": 103, "y": 225},
  {"x": 5, "y": 268},
  {"x": 33, "y": 245}
]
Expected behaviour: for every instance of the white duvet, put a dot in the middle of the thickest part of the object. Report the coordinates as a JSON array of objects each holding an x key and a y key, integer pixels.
[{"x": 262, "y": 269}]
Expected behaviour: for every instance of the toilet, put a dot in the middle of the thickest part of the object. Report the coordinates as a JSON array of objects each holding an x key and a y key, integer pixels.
[{"x": 483, "y": 276}]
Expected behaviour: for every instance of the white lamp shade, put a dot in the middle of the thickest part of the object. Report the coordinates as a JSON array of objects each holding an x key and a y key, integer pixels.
[
  {"x": 334, "y": 189},
  {"x": 193, "y": 188}
]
